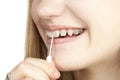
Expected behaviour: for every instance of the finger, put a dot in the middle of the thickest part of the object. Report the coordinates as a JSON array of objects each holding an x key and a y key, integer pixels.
[
  {"x": 49, "y": 68},
  {"x": 27, "y": 70},
  {"x": 52, "y": 79},
  {"x": 27, "y": 79}
]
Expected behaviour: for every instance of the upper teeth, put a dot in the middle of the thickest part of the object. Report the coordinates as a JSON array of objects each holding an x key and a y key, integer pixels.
[
  {"x": 63, "y": 33},
  {"x": 70, "y": 32}
]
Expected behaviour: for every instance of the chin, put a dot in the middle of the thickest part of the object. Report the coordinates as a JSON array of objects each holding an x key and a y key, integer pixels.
[
  {"x": 70, "y": 63},
  {"x": 75, "y": 60}
]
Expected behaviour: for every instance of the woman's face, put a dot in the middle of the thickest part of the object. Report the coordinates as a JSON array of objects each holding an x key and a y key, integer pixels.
[{"x": 86, "y": 31}]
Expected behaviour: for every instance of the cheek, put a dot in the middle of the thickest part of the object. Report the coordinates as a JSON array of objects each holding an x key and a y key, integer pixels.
[
  {"x": 104, "y": 27},
  {"x": 102, "y": 18}
]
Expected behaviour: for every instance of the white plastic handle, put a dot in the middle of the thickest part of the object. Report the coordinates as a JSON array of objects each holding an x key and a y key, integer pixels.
[{"x": 49, "y": 57}]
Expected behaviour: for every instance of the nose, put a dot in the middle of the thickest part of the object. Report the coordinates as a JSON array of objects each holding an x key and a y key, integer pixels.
[{"x": 51, "y": 8}]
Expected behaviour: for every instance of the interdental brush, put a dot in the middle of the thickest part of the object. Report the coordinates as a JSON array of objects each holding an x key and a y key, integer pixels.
[{"x": 49, "y": 57}]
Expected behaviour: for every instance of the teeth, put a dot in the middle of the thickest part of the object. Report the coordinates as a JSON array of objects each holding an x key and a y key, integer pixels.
[
  {"x": 70, "y": 32},
  {"x": 63, "y": 33},
  {"x": 49, "y": 34},
  {"x": 76, "y": 32},
  {"x": 56, "y": 33}
]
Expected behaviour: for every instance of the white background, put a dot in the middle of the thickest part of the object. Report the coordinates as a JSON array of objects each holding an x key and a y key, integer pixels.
[{"x": 12, "y": 34}]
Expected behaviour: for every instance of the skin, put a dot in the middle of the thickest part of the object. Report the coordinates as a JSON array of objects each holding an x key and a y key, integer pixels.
[{"x": 98, "y": 48}]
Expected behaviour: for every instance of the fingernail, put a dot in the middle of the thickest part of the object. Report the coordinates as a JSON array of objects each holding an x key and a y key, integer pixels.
[{"x": 55, "y": 73}]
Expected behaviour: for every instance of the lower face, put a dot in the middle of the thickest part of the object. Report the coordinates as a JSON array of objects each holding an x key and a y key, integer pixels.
[{"x": 100, "y": 40}]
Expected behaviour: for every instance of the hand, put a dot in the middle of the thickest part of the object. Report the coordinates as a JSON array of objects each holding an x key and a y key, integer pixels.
[{"x": 34, "y": 69}]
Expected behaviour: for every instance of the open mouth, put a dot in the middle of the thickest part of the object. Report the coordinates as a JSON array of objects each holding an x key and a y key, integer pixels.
[{"x": 64, "y": 33}]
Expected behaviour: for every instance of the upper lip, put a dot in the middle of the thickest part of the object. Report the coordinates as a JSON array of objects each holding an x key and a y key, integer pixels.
[{"x": 59, "y": 27}]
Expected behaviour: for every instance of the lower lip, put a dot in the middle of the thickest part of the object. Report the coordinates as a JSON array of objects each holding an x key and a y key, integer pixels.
[{"x": 64, "y": 40}]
